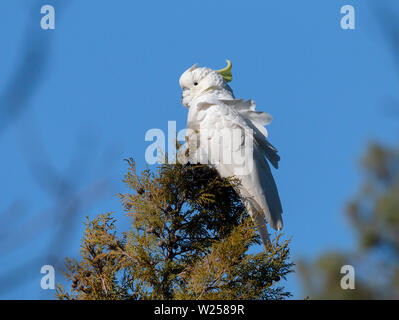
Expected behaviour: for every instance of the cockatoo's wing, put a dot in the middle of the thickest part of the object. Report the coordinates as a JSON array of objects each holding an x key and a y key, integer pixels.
[
  {"x": 257, "y": 188},
  {"x": 257, "y": 120}
]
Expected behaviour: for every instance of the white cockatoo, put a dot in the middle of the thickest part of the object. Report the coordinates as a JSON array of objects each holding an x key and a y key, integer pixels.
[{"x": 213, "y": 115}]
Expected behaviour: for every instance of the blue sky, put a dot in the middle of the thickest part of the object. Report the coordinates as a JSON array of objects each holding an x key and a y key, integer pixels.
[{"x": 111, "y": 71}]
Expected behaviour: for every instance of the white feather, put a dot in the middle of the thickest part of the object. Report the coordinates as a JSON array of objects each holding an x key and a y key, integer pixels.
[
  {"x": 212, "y": 109},
  {"x": 258, "y": 189}
]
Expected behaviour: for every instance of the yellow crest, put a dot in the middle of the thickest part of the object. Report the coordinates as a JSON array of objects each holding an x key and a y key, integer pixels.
[{"x": 226, "y": 72}]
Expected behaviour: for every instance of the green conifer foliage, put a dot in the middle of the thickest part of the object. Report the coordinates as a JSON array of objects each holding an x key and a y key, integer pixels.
[{"x": 189, "y": 238}]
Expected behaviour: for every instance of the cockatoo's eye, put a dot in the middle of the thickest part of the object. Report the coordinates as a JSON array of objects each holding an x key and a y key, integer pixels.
[{"x": 195, "y": 83}]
